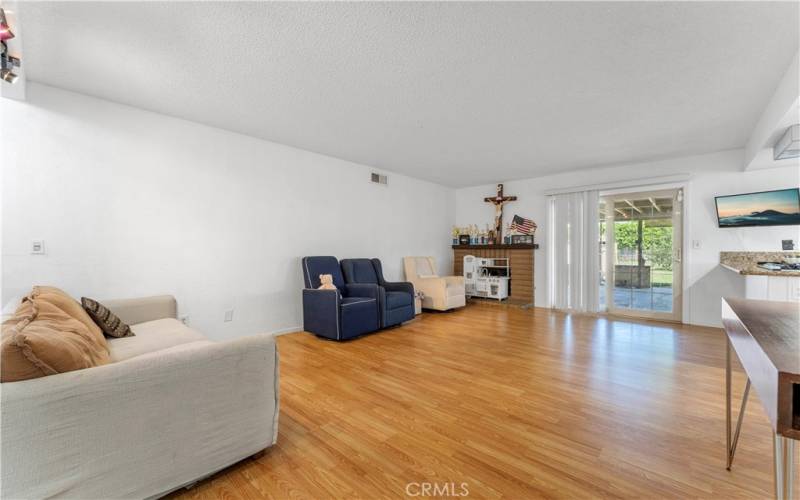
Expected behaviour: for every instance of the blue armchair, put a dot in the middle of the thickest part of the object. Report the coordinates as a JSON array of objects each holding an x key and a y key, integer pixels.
[
  {"x": 396, "y": 300},
  {"x": 349, "y": 311}
]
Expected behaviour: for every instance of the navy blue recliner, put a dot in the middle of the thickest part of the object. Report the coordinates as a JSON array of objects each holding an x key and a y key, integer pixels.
[
  {"x": 396, "y": 299},
  {"x": 349, "y": 311}
]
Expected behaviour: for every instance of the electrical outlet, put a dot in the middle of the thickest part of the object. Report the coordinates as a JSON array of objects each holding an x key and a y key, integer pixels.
[
  {"x": 37, "y": 247},
  {"x": 697, "y": 244},
  {"x": 185, "y": 319},
  {"x": 229, "y": 315}
]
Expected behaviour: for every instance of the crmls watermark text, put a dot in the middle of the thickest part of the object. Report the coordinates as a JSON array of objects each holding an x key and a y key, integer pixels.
[{"x": 426, "y": 489}]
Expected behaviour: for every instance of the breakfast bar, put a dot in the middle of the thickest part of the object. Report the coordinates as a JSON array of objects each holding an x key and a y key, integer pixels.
[{"x": 765, "y": 335}]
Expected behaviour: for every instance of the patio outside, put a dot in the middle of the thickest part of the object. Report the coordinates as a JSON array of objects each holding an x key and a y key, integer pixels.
[
  {"x": 643, "y": 259},
  {"x": 655, "y": 298}
]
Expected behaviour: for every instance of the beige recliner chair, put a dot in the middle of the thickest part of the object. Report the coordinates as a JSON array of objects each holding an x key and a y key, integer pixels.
[{"x": 441, "y": 293}]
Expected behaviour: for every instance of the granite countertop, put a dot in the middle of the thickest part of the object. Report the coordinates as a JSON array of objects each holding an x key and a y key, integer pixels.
[{"x": 746, "y": 263}]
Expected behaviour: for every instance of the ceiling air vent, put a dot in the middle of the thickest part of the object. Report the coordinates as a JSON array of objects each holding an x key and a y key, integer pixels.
[
  {"x": 787, "y": 146},
  {"x": 379, "y": 179}
]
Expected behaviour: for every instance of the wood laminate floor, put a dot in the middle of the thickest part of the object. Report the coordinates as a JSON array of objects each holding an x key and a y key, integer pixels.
[{"x": 515, "y": 404}]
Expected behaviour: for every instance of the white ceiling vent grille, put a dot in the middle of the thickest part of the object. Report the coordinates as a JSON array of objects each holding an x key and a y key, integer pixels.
[{"x": 379, "y": 179}]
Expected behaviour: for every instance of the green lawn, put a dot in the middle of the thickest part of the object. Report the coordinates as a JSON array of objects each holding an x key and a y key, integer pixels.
[{"x": 661, "y": 277}]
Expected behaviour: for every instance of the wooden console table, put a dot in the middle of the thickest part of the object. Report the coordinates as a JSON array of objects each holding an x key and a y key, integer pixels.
[
  {"x": 520, "y": 258},
  {"x": 766, "y": 338}
]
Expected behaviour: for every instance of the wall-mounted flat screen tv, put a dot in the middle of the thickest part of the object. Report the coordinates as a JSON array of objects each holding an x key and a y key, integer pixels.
[{"x": 767, "y": 208}]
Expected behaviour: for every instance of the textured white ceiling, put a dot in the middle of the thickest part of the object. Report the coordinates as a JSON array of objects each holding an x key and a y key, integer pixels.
[{"x": 457, "y": 93}]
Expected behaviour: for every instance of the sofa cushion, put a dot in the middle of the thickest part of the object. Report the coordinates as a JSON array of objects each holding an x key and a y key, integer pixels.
[
  {"x": 395, "y": 300},
  {"x": 105, "y": 319},
  {"x": 359, "y": 271},
  {"x": 357, "y": 300},
  {"x": 43, "y": 339},
  {"x": 424, "y": 267},
  {"x": 152, "y": 336},
  {"x": 314, "y": 266}
]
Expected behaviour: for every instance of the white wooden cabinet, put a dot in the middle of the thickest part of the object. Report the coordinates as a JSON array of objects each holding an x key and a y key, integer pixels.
[{"x": 772, "y": 288}]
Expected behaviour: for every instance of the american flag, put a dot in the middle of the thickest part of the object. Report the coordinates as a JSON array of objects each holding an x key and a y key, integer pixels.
[{"x": 523, "y": 225}]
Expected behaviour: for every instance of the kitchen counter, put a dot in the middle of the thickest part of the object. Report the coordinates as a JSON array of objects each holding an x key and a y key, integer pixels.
[
  {"x": 765, "y": 336},
  {"x": 746, "y": 263}
]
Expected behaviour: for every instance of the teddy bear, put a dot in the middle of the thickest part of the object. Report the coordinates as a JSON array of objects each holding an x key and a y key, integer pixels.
[{"x": 326, "y": 281}]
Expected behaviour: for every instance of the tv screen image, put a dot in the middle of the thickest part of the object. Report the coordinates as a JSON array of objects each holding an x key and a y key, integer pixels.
[{"x": 767, "y": 208}]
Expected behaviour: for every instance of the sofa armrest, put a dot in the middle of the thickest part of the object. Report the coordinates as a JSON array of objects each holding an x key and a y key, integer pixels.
[
  {"x": 431, "y": 287},
  {"x": 321, "y": 312},
  {"x": 454, "y": 280},
  {"x": 139, "y": 310},
  {"x": 140, "y": 427},
  {"x": 399, "y": 286}
]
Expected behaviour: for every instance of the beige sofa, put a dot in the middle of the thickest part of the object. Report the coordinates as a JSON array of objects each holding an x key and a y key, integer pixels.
[
  {"x": 171, "y": 408},
  {"x": 441, "y": 293}
]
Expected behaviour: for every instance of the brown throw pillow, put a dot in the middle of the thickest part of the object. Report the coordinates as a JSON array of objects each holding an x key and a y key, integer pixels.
[
  {"x": 43, "y": 339},
  {"x": 105, "y": 319}
]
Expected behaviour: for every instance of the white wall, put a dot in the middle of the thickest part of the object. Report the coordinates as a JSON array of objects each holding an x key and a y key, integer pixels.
[
  {"x": 133, "y": 203},
  {"x": 711, "y": 175}
]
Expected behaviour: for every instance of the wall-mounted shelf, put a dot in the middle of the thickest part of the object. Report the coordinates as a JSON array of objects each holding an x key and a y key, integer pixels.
[{"x": 535, "y": 246}]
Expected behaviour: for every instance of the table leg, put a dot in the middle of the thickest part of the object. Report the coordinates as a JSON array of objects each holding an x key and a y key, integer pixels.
[
  {"x": 732, "y": 440},
  {"x": 783, "y": 459},
  {"x": 728, "y": 403}
]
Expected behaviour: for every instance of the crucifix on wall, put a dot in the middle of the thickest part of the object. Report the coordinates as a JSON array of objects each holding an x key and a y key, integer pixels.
[{"x": 498, "y": 202}]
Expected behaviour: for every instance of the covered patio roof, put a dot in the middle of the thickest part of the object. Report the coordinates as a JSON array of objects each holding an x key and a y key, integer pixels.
[{"x": 632, "y": 209}]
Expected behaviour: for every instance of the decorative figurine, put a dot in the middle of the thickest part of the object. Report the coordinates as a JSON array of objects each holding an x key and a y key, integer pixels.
[{"x": 498, "y": 201}]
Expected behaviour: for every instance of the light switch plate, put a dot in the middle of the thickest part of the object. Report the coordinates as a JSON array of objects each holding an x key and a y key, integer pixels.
[
  {"x": 37, "y": 247},
  {"x": 229, "y": 315}
]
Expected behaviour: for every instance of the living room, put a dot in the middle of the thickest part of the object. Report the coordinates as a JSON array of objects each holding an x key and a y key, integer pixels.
[{"x": 271, "y": 229}]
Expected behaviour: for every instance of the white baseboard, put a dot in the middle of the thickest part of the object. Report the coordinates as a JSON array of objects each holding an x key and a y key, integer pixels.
[{"x": 284, "y": 331}]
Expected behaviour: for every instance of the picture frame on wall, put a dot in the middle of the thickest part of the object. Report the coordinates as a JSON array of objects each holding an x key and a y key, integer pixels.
[{"x": 522, "y": 239}]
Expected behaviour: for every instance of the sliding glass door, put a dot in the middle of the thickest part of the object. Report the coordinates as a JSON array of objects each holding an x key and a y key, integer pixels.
[{"x": 640, "y": 254}]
